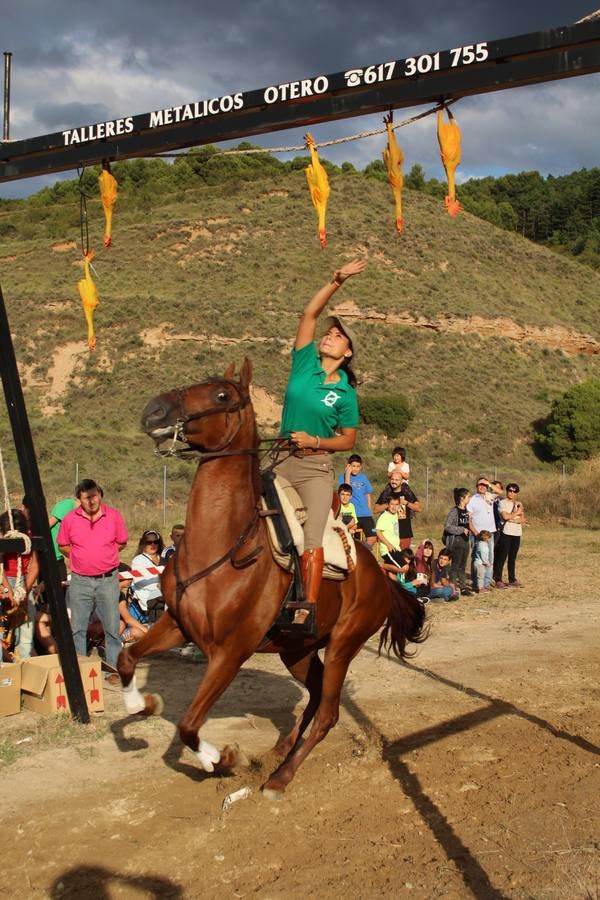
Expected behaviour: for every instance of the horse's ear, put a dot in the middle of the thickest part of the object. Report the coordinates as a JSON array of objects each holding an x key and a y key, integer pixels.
[
  {"x": 246, "y": 372},
  {"x": 230, "y": 372}
]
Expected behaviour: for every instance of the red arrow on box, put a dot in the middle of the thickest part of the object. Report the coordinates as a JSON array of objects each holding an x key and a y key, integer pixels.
[
  {"x": 94, "y": 692},
  {"x": 61, "y": 700}
]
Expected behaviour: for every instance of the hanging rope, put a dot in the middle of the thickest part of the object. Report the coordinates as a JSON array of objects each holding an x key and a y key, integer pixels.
[
  {"x": 594, "y": 15},
  {"x": 19, "y": 592},
  {"x": 331, "y": 143},
  {"x": 83, "y": 216}
]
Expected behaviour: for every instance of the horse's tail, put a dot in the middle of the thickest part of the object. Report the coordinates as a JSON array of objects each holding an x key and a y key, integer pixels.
[{"x": 405, "y": 623}]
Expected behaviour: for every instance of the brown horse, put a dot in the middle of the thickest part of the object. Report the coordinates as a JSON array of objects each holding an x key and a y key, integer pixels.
[{"x": 224, "y": 590}]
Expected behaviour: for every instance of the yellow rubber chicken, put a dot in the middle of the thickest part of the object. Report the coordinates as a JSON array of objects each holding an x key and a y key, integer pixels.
[
  {"x": 393, "y": 159},
  {"x": 318, "y": 185},
  {"x": 449, "y": 141},
  {"x": 108, "y": 194},
  {"x": 89, "y": 297}
]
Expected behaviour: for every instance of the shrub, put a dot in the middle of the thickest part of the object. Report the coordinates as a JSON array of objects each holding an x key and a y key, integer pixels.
[
  {"x": 572, "y": 430},
  {"x": 390, "y": 413}
]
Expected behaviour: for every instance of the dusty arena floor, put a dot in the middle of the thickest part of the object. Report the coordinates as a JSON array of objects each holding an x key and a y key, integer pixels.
[{"x": 473, "y": 771}]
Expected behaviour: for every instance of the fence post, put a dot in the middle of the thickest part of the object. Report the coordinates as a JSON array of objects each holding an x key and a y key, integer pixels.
[
  {"x": 426, "y": 489},
  {"x": 76, "y": 475},
  {"x": 164, "y": 496}
]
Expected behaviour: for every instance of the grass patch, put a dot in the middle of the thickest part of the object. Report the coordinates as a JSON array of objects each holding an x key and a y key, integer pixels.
[{"x": 41, "y": 733}]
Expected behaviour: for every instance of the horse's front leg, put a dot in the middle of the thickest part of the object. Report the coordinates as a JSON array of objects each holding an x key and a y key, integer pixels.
[
  {"x": 223, "y": 665},
  {"x": 163, "y": 635}
]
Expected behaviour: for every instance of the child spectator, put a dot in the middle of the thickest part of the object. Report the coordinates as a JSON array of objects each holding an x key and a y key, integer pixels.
[
  {"x": 398, "y": 459},
  {"x": 442, "y": 590},
  {"x": 362, "y": 496},
  {"x": 388, "y": 534},
  {"x": 424, "y": 559},
  {"x": 497, "y": 491},
  {"x": 177, "y": 533},
  {"x": 407, "y": 576},
  {"x": 481, "y": 561},
  {"x": 347, "y": 511},
  {"x": 456, "y": 538},
  {"x": 44, "y": 641},
  {"x": 424, "y": 567}
]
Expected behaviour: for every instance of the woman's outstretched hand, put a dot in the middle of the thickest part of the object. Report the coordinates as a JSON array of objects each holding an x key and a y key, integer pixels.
[{"x": 352, "y": 268}]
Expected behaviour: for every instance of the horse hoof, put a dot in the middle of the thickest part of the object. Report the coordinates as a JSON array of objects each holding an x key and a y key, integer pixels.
[
  {"x": 233, "y": 758},
  {"x": 154, "y": 705},
  {"x": 207, "y": 755},
  {"x": 272, "y": 794}
]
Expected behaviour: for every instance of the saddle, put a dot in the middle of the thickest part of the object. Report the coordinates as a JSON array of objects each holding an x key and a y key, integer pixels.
[
  {"x": 281, "y": 503},
  {"x": 284, "y": 513}
]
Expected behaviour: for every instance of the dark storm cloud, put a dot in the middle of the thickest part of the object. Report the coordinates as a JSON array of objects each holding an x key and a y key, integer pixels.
[
  {"x": 57, "y": 116},
  {"x": 76, "y": 64}
]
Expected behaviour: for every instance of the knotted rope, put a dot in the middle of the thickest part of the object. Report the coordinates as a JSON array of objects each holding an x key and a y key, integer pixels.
[{"x": 19, "y": 592}]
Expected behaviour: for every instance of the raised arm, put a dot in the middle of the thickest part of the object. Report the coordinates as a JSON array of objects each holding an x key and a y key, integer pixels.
[{"x": 307, "y": 325}]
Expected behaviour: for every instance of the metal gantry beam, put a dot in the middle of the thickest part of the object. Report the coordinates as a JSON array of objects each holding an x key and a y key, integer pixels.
[{"x": 425, "y": 78}]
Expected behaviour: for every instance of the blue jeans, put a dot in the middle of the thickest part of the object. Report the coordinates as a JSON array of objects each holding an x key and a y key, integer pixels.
[
  {"x": 440, "y": 593},
  {"x": 24, "y": 633},
  {"x": 488, "y": 572},
  {"x": 85, "y": 593}
]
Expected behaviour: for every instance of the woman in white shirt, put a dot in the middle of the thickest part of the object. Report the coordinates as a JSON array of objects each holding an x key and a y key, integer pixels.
[{"x": 147, "y": 590}]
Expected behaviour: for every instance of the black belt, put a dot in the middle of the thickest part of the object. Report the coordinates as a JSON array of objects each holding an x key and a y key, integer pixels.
[{"x": 103, "y": 574}]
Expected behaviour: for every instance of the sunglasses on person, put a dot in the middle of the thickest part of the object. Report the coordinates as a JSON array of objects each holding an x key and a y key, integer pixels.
[
  {"x": 483, "y": 484},
  {"x": 511, "y": 491},
  {"x": 153, "y": 541}
]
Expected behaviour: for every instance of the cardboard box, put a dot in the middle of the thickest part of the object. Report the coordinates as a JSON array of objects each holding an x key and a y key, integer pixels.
[
  {"x": 43, "y": 685},
  {"x": 10, "y": 688}
]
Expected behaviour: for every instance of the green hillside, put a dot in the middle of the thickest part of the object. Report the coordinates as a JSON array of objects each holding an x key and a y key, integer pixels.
[{"x": 477, "y": 326}]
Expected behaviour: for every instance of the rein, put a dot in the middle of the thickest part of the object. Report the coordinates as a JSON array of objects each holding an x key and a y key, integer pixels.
[{"x": 180, "y": 586}]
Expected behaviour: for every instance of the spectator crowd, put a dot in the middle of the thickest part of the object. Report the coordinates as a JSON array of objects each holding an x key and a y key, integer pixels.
[
  {"x": 481, "y": 534},
  {"x": 111, "y": 603}
]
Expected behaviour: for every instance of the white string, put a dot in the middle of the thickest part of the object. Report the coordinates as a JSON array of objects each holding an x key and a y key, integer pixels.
[
  {"x": 594, "y": 15},
  {"x": 340, "y": 140}
]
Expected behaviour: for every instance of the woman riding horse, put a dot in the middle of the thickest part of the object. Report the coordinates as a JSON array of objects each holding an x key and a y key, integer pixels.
[
  {"x": 223, "y": 588},
  {"x": 320, "y": 416}
]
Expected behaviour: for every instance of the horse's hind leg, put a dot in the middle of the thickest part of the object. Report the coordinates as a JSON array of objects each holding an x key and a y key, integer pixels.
[
  {"x": 337, "y": 660},
  {"x": 306, "y": 668},
  {"x": 163, "y": 635}
]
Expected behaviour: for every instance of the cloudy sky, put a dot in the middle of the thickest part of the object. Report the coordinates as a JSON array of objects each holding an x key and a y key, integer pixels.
[{"x": 75, "y": 64}]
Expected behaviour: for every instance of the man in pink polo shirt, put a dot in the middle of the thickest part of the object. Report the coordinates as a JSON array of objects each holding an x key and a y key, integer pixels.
[{"x": 92, "y": 537}]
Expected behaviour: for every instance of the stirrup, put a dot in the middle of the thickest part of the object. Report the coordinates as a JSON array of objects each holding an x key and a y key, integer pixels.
[{"x": 286, "y": 624}]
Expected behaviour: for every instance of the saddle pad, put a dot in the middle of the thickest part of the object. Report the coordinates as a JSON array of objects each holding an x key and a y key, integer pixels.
[{"x": 336, "y": 535}]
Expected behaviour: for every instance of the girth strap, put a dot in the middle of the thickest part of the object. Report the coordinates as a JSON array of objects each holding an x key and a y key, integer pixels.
[{"x": 236, "y": 563}]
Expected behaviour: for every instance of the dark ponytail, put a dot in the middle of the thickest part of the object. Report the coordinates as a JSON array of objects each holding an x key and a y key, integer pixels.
[{"x": 352, "y": 379}]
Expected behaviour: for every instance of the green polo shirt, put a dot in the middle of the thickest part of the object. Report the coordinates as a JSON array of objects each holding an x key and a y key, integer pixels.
[
  {"x": 311, "y": 405},
  {"x": 59, "y": 511}
]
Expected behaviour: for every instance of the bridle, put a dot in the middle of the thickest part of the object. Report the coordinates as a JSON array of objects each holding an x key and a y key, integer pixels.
[
  {"x": 204, "y": 455},
  {"x": 183, "y": 418}
]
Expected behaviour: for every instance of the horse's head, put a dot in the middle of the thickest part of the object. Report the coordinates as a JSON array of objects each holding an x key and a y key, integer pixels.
[{"x": 207, "y": 416}]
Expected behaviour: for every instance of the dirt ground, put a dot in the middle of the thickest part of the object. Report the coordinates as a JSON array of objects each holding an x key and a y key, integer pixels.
[{"x": 472, "y": 771}]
